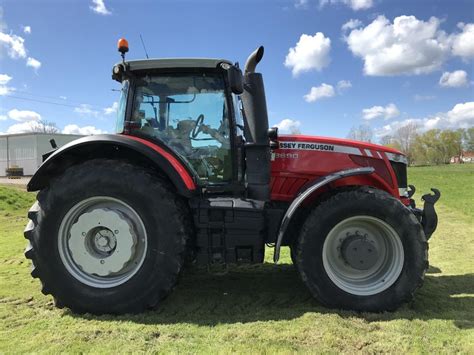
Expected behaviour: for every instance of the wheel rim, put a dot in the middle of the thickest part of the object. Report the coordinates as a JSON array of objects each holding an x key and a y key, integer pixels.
[
  {"x": 102, "y": 241},
  {"x": 363, "y": 255}
]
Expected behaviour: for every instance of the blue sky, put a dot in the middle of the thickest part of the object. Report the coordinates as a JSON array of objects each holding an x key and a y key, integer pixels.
[{"x": 329, "y": 64}]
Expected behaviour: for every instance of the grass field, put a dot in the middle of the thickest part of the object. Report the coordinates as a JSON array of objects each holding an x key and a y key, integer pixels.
[{"x": 262, "y": 308}]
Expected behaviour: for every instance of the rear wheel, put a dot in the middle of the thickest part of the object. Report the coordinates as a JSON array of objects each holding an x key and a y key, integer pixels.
[
  {"x": 362, "y": 250},
  {"x": 107, "y": 237}
]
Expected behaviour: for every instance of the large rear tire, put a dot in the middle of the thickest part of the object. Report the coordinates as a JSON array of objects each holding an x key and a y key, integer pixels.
[
  {"x": 107, "y": 237},
  {"x": 362, "y": 250}
]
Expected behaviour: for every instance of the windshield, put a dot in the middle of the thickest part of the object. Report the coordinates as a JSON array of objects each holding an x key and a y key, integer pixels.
[{"x": 188, "y": 112}]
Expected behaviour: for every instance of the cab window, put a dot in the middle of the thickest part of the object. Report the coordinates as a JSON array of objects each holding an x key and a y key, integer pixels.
[{"x": 188, "y": 113}]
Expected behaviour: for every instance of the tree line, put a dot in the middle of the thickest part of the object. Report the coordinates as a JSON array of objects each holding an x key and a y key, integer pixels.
[{"x": 432, "y": 147}]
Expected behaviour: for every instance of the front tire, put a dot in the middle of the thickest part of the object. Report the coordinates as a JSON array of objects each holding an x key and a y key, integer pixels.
[
  {"x": 107, "y": 237},
  {"x": 362, "y": 250}
]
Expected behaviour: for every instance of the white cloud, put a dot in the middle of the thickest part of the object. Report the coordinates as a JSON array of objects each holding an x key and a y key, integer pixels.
[
  {"x": 98, "y": 7},
  {"x": 14, "y": 45},
  {"x": 463, "y": 43},
  {"x": 406, "y": 46},
  {"x": 87, "y": 130},
  {"x": 86, "y": 110},
  {"x": 387, "y": 112},
  {"x": 343, "y": 85},
  {"x": 23, "y": 127},
  {"x": 63, "y": 97},
  {"x": 310, "y": 53},
  {"x": 351, "y": 24},
  {"x": 460, "y": 116},
  {"x": 4, "y": 79},
  {"x": 454, "y": 79},
  {"x": 4, "y": 88},
  {"x": 353, "y": 4},
  {"x": 23, "y": 115},
  {"x": 301, "y": 4},
  {"x": 423, "y": 97},
  {"x": 112, "y": 109},
  {"x": 3, "y": 118},
  {"x": 319, "y": 92},
  {"x": 32, "y": 62},
  {"x": 289, "y": 126}
]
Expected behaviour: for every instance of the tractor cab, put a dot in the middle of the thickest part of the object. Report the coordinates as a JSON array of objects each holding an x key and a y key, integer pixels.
[{"x": 187, "y": 106}]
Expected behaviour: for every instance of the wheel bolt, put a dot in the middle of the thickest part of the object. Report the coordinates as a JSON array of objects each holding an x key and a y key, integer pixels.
[
  {"x": 116, "y": 231},
  {"x": 102, "y": 261},
  {"x": 84, "y": 234}
]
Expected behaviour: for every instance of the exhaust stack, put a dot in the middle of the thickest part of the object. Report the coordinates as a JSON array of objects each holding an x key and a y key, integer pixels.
[{"x": 257, "y": 147}]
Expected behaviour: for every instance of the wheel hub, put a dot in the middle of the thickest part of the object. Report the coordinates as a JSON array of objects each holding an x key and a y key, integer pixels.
[
  {"x": 95, "y": 248},
  {"x": 359, "y": 252},
  {"x": 104, "y": 241}
]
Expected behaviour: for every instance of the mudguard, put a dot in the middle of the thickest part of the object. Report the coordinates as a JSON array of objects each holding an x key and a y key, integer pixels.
[
  {"x": 115, "y": 146},
  {"x": 306, "y": 194}
]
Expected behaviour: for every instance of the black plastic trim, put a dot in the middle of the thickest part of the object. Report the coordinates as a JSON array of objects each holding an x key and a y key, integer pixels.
[{"x": 307, "y": 193}]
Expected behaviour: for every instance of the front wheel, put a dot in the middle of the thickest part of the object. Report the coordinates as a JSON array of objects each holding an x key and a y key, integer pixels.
[
  {"x": 107, "y": 237},
  {"x": 362, "y": 250}
]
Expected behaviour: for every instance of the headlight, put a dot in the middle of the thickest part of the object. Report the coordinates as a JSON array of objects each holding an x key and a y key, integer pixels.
[{"x": 398, "y": 158}]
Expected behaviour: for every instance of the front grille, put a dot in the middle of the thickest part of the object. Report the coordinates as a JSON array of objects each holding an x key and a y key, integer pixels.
[{"x": 400, "y": 170}]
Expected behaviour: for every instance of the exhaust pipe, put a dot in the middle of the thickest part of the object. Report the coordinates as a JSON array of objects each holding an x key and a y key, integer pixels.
[
  {"x": 257, "y": 149},
  {"x": 254, "y": 58}
]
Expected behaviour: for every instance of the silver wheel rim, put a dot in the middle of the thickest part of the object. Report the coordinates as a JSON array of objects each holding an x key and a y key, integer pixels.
[
  {"x": 102, "y": 241},
  {"x": 382, "y": 252}
]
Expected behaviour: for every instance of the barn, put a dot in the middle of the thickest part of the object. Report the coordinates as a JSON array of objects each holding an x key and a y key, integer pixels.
[{"x": 25, "y": 150}]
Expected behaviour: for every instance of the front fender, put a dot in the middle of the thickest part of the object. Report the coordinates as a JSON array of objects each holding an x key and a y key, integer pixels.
[
  {"x": 306, "y": 194},
  {"x": 111, "y": 146}
]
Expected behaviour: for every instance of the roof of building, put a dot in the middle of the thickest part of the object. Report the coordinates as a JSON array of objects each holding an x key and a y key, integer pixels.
[
  {"x": 170, "y": 63},
  {"x": 39, "y": 134}
]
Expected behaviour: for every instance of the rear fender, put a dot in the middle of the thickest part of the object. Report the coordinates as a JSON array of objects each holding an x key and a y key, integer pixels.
[
  {"x": 307, "y": 193},
  {"x": 109, "y": 146}
]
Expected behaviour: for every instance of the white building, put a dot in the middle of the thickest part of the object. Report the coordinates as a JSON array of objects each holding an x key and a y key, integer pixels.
[{"x": 25, "y": 150}]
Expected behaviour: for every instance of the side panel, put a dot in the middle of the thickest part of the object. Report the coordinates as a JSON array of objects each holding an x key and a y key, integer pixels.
[
  {"x": 114, "y": 147},
  {"x": 301, "y": 160}
]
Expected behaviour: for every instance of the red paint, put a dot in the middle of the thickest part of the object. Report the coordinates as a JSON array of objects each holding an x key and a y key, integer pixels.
[
  {"x": 338, "y": 141},
  {"x": 183, "y": 173},
  {"x": 293, "y": 168}
]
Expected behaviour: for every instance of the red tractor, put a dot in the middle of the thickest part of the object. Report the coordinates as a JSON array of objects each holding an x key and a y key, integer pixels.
[{"x": 195, "y": 175}]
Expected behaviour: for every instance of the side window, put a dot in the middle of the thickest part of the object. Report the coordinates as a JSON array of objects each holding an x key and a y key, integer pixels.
[{"x": 122, "y": 107}]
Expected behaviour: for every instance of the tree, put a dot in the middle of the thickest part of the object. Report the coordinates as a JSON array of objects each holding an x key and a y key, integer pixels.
[
  {"x": 44, "y": 126},
  {"x": 436, "y": 147},
  {"x": 405, "y": 137},
  {"x": 361, "y": 133},
  {"x": 468, "y": 139},
  {"x": 389, "y": 141}
]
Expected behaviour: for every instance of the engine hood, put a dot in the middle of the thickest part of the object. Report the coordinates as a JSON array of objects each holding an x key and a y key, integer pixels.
[{"x": 336, "y": 141}]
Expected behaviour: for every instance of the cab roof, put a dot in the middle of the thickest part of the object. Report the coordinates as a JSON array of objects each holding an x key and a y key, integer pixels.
[{"x": 169, "y": 63}]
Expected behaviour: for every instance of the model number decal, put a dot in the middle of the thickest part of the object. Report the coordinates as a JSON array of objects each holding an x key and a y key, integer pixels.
[{"x": 284, "y": 156}]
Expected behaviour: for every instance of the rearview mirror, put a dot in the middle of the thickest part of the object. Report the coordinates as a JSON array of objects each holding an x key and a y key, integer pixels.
[{"x": 236, "y": 82}]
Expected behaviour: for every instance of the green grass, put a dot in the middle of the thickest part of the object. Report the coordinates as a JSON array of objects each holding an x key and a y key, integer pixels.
[
  {"x": 263, "y": 308},
  {"x": 455, "y": 181}
]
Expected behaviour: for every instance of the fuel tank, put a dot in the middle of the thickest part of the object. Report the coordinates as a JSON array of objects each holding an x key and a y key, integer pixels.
[{"x": 301, "y": 159}]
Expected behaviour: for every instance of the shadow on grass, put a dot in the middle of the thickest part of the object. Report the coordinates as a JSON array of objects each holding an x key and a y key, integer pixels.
[{"x": 268, "y": 292}]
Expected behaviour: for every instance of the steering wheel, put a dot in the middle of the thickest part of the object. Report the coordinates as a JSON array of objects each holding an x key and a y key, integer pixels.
[{"x": 197, "y": 128}]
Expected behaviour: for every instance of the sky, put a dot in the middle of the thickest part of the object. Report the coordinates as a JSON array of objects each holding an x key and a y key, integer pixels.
[{"x": 329, "y": 65}]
